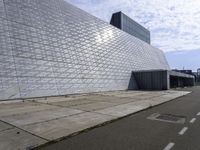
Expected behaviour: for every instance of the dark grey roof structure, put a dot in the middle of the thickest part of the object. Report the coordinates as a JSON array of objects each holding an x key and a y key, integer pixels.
[{"x": 128, "y": 25}]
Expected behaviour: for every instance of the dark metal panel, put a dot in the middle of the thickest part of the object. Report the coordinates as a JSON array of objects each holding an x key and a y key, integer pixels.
[
  {"x": 128, "y": 25},
  {"x": 116, "y": 20},
  {"x": 151, "y": 80}
]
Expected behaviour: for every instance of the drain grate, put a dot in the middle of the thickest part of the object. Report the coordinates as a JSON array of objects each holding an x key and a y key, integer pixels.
[{"x": 168, "y": 118}]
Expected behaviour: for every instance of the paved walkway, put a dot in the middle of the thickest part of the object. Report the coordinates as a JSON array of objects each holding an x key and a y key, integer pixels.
[
  {"x": 28, "y": 124},
  {"x": 142, "y": 132}
]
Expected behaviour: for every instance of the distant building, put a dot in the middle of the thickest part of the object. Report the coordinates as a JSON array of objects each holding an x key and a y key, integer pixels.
[
  {"x": 198, "y": 75},
  {"x": 198, "y": 72},
  {"x": 190, "y": 72},
  {"x": 128, "y": 25},
  {"x": 185, "y": 71}
]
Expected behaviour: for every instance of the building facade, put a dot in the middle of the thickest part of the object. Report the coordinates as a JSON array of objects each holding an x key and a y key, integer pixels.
[
  {"x": 128, "y": 25},
  {"x": 53, "y": 48}
]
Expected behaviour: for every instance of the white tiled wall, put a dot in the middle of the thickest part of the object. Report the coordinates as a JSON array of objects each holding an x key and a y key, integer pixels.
[{"x": 49, "y": 47}]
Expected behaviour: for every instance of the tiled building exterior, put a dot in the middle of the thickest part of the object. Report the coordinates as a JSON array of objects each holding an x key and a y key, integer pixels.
[{"x": 49, "y": 47}]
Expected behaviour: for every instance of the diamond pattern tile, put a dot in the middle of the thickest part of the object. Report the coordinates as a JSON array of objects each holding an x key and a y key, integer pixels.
[{"x": 53, "y": 48}]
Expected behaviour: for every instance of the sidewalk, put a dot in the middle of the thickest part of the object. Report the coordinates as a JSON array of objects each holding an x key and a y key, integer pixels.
[{"x": 28, "y": 124}]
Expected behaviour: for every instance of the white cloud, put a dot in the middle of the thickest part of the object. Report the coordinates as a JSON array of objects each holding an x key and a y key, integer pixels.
[{"x": 174, "y": 24}]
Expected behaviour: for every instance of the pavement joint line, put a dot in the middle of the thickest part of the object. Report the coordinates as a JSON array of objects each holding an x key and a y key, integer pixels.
[
  {"x": 47, "y": 104},
  {"x": 17, "y": 114},
  {"x": 7, "y": 129},
  {"x": 198, "y": 114},
  {"x": 84, "y": 103},
  {"x": 94, "y": 111},
  {"x": 71, "y": 105},
  {"x": 11, "y": 126},
  {"x": 183, "y": 130},
  {"x": 24, "y": 130},
  {"x": 192, "y": 120},
  {"x": 169, "y": 146},
  {"x": 54, "y": 119},
  {"x": 129, "y": 96}
]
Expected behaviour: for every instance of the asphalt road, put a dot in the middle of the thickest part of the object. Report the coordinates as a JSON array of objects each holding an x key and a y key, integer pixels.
[{"x": 136, "y": 132}]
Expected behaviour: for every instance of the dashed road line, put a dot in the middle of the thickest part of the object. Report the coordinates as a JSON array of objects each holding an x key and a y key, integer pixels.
[
  {"x": 169, "y": 146},
  {"x": 198, "y": 114},
  {"x": 192, "y": 120},
  {"x": 183, "y": 131}
]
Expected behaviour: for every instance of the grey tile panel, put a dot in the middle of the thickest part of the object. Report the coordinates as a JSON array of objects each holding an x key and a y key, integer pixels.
[
  {"x": 2, "y": 9},
  {"x": 53, "y": 48}
]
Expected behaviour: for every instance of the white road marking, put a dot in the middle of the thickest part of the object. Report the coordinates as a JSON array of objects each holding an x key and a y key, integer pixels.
[
  {"x": 169, "y": 146},
  {"x": 198, "y": 114},
  {"x": 183, "y": 131},
  {"x": 192, "y": 120}
]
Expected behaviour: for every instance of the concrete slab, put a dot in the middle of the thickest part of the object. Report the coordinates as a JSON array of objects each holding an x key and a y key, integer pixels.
[
  {"x": 148, "y": 96},
  {"x": 110, "y": 99},
  {"x": 11, "y": 101},
  {"x": 17, "y": 104},
  {"x": 5, "y": 126},
  {"x": 16, "y": 139},
  {"x": 175, "y": 95},
  {"x": 62, "y": 127},
  {"x": 94, "y": 106},
  {"x": 72, "y": 102},
  {"x": 124, "y": 93},
  {"x": 132, "y": 94},
  {"x": 125, "y": 109},
  {"x": 170, "y": 95},
  {"x": 21, "y": 108},
  {"x": 40, "y": 116},
  {"x": 159, "y": 100},
  {"x": 62, "y": 98}
]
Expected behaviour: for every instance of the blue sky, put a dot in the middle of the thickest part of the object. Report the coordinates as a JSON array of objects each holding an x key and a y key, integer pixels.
[
  {"x": 174, "y": 24},
  {"x": 184, "y": 59}
]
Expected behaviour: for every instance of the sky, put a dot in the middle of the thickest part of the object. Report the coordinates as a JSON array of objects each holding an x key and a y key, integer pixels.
[
  {"x": 189, "y": 60},
  {"x": 174, "y": 24}
]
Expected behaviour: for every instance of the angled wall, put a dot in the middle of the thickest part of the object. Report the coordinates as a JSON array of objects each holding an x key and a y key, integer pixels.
[{"x": 53, "y": 48}]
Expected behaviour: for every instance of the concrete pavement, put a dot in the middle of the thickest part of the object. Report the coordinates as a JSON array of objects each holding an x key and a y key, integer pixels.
[
  {"x": 33, "y": 122},
  {"x": 137, "y": 132}
]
